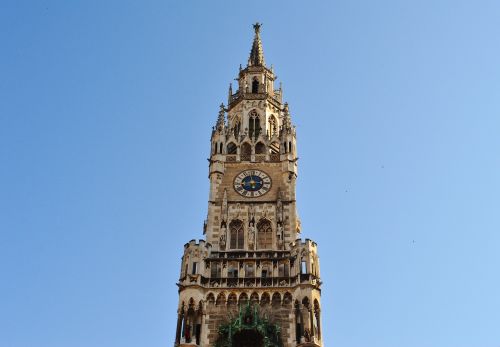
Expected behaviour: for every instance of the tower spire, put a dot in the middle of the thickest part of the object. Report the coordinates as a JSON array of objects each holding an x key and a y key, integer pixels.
[
  {"x": 257, "y": 53},
  {"x": 221, "y": 118}
]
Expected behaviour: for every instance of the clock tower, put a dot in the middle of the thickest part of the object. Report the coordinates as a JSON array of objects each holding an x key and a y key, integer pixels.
[{"x": 252, "y": 281}]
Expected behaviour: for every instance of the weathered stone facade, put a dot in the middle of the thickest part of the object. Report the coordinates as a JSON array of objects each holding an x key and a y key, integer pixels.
[{"x": 252, "y": 252}]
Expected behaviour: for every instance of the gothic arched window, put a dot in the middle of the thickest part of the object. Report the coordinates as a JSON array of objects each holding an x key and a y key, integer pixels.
[
  {"x": 260, "y": 148},
  {"x": 255, "y": 86},
  {"x": 236, "y": 234},
  {"x": 299, "y": 324},
  {"x": 254, "y": 124},
  {"x": 264, "y": 234},
  {"x": 317, "y": 319},
  {"x": 231, "y": 148}
]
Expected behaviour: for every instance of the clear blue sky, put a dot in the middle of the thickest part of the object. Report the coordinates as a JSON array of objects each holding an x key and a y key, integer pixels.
[{"x": 105, "y": 116}]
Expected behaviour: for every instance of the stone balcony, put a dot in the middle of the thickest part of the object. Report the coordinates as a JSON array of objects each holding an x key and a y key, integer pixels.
[{"x": 250, "y": 282}]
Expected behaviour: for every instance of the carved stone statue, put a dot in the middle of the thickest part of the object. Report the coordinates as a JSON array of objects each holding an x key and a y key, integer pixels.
[
  {"x": 279, "y": 235},
  {"x": 279, "y": 209},
  {"x": 223, "y": 237},
  {"x": 224, "y": 207},
  {"x": 251, "y": 213},
  {"x": 307, "y": 335},
  {"x": 251, "y": 235}
]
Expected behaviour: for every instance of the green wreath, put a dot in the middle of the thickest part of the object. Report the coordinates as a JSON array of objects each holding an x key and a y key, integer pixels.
[{"x": 249, "y": 321}]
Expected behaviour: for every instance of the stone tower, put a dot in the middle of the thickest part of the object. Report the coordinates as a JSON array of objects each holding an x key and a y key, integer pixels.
[{"x": 252, "y": 281}]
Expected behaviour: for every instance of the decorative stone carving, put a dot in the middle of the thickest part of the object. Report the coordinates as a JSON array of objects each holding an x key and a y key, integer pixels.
[
  {"x": 251, "y": 235},
  {"x": 279, "y": 208},
  {"x": 223, "y": 237}
]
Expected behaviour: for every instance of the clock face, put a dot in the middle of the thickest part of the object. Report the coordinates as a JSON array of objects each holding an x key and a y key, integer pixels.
[{"x": 252, "y": 183}]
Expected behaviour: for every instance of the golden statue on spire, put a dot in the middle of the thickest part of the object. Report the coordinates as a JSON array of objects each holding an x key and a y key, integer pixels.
[{"x": 256, "y": 27}]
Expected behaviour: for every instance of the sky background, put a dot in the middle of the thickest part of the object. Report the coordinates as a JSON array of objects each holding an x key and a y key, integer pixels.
[{"x": 106, "y": 109}]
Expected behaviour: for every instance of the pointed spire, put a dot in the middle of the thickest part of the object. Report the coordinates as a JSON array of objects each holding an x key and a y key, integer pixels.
[
  {"x": 287, "y": 121},
  {"x": 221, "y": 121},
  {"x": 257, "y": 53},
  {"x": 230, "y": 93}
]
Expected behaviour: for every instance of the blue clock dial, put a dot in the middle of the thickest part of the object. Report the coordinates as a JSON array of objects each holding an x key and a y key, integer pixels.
[{"x": 252, "y": 183}]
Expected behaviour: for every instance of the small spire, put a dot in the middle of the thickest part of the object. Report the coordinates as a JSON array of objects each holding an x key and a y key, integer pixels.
[
  {"x": 287, "y": 121},
  {"x": 221, "y": 121},
  {"x": 230, "y": 93},
  {"x": 257, "y": 53}
]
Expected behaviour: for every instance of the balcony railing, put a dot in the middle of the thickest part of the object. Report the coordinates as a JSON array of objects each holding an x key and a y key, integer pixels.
[
  {"x": 275, "y": 157},
  {"x": 255, "y": 282}
]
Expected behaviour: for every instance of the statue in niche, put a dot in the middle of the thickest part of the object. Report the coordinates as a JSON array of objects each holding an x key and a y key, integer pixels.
[
  {"x": 279, "y": 208},
  {"x": 279, "y": 235},
  {"x": 251, "y": 234},
  {"x": 251, "y": 213},
  {"x": 315, "y": 324},
  {"x": 224, "y": 207},
  {"x": 223, "y": 236},
  {"x": 307, "y": 335}
]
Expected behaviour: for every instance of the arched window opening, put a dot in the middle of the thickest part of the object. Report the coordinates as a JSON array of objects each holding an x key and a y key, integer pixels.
[
  {"x": 211, "y": 299},
  {"x": 299, "y": 325},
  {"x": 192, "y": 323},
  {"x": 317, "y": 320},
  {"x": 243, "y": 299},
  {"x": 232, "y": 299},
  {"x": 265, "y": 299},
  {"x": 276, "y": 300},
  {"x": 221, "y": 299},
  {"x": 249, "y": 270},
  {"x": 257, "y": 127},
  {"x": 255, "y": 86},
  {"x": 231, "y": 148},
  {"x": 254, "y": 298},
  {"x": 303, "y": 266},
  {"x": 260, "y": 148},
  {"x": 264, "y": 234},
  {"x": 287, "y": 299},
  {"x": 246, "y": 151},
  {"x": 220, "y": 148},
  {"x": 232, "y": 270},
  {"x": 283, "y": 270},
  {"x": 236, "y": 234},
  {"x": 290, "y": 147},
  {"x": 265, "y": 272},
  {"x": 254, "y": 124},
  {"x": 215, "y": 270}
]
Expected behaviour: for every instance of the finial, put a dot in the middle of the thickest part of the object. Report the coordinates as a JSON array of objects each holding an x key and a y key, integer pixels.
[
  {"x": 221, "y": 119},
  {"x": 230, "y": 93},
  {"x": 256, "y": 27},
  {"x": 257, "y": 53},
  {"x": 287, "y": 122}
]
